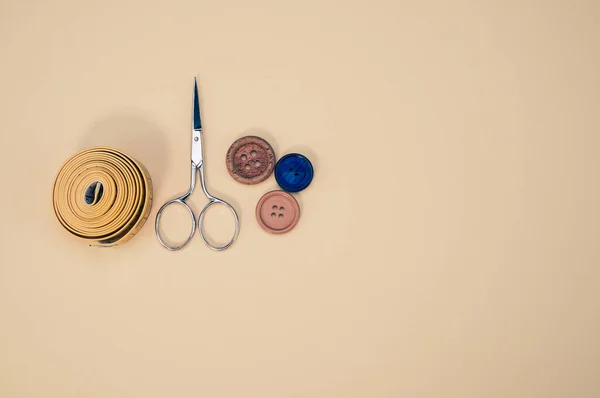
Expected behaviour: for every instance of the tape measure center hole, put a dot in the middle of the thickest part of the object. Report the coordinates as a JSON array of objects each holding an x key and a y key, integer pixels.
[{"x": 94, "y": 193}]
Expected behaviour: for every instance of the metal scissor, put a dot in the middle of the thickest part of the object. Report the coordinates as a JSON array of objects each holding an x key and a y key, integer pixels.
[{"x": 197, "y": 166}]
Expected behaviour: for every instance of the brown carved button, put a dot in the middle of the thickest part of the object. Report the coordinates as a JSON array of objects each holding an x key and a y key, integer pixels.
[
  {"x": 277, "y": 212},
  {"x": 250, "y": 160}
]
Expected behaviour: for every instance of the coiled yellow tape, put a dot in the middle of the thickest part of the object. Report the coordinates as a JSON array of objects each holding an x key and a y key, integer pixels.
[{"x": 102, "y": 195}]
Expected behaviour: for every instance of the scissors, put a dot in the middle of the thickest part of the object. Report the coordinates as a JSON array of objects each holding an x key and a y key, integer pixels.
[{"x": 197, "y": 166}]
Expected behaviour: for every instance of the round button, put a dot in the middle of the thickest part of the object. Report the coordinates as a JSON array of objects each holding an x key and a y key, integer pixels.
[
  {"x": 277, "y": 212},
  {"x": 250, "y": 160},
  {"x": 294, "y": 172}
]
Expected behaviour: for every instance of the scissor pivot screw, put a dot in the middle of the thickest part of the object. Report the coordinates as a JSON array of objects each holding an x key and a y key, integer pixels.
[{"x": 195, "y": 138}]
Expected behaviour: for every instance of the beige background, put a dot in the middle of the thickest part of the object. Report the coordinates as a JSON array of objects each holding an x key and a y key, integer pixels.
[{"x": 448, "y": 246}]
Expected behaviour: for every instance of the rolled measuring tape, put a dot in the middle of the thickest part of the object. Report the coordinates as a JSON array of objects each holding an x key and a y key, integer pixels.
[{"x": 102, "y": 195}]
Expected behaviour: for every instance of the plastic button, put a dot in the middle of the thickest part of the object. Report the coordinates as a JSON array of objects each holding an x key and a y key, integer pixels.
[
  {"x": 277, "y": 212},
  {"x": 294, "y": 172},
  {"x": 250, "y": 160}
]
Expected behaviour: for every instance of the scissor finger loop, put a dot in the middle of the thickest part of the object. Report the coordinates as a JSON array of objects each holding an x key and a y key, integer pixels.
[
  {"x": 157, "y": 224},
  {"x": 214, "y": 201}
]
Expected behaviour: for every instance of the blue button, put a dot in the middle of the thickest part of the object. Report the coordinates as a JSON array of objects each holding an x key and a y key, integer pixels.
[{"x": 293, "y": 172}]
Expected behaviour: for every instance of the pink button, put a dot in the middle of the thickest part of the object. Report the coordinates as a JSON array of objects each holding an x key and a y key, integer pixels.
[{"x": 277, "y": 212}]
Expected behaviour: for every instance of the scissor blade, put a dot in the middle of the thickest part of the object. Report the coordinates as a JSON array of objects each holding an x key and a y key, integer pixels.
[{"x": 197, "y": 121}]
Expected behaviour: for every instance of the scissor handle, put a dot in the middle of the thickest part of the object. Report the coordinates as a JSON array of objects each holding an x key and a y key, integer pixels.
[
  {"x": 156, "y": 225},
  {"x": 214, "y": 201}
]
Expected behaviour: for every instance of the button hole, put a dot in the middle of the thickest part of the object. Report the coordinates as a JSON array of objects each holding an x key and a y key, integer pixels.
[{"x": 273, "y": 215}]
